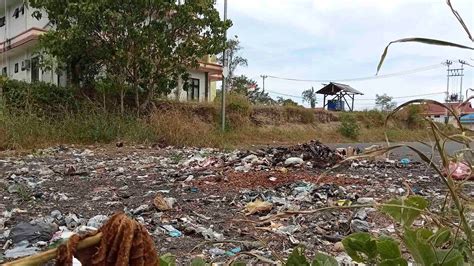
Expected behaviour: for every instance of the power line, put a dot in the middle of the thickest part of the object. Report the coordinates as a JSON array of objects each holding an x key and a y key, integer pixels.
[
  {"x": 401, "y": 73},
  {"x": 366, "y": 99}
]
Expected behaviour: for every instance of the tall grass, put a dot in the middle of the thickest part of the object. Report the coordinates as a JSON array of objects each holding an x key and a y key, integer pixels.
[{"x": 181, "y": 124}]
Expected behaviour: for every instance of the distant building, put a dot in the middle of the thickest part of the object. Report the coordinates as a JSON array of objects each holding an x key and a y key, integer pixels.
[
  {"x": 467, "y": 121},
  {"x": 19, "y": 34},
  {"x": 439, "y": 114}
]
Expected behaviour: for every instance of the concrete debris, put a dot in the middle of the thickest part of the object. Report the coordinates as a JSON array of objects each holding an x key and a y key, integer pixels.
[{"x": 185, "y": 196}]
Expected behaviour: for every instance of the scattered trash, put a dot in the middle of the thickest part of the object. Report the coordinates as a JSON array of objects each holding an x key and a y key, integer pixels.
[
  {"x": 163, "y": 204},
  {"x": 32, "y": 232},
  {"x": 173, "y": 232},
  {"x": 21, "y": 250},
  {"x": 405, "y": 162},
  {"x": 233, "y": 251},
  {"x": 459, "y": 171},
  {"x": 223, "y": 195}
]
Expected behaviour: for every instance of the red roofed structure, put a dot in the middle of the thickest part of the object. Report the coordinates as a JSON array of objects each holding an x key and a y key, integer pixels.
[{"x": 440, "y": 114}]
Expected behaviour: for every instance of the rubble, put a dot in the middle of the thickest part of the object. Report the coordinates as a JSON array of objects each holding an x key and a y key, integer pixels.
[{"x": 188, "y": 196}]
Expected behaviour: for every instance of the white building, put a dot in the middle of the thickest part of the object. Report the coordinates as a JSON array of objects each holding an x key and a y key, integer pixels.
[{"x": 19, "y": 34}]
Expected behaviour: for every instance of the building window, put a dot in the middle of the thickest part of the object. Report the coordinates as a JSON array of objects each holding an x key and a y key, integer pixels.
[
  {"x": 19, "y": 10},
  {"x": 16, "y": 68},
  {"x": 35, "y": 69},
  {"x": 193, "y": 90},
  {"x": 16, "y": 14},
  {"x": 437, "y": 116},
  {"x": 4, "y": 71},
  {"x": 2, "y": 21}
]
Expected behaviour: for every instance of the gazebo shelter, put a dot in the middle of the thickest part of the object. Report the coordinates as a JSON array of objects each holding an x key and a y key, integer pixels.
[{"x": 342, "y": 95}]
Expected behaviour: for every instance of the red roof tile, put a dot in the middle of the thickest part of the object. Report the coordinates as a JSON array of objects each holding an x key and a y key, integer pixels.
[{"x": 432, "y": 109}]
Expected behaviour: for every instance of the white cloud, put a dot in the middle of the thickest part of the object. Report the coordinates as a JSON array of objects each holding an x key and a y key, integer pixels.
[{"x": 322, "y": 39}]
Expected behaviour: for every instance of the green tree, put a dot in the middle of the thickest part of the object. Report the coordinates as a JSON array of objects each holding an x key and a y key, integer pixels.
[
  {"x": 309, "y": 96},
  {"x": 385, "y": 102},
  {"x": 145, "y": 46},
  {"x": 249, "y": 87}
]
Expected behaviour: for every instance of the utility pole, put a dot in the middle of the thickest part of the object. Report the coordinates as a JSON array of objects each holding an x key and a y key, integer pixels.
[
  {"x": 263, "y": 78},
  {"x": 462, "y": 62},
  {"x": 224, "y": 76},
  {"x": 448, "y": 63}
]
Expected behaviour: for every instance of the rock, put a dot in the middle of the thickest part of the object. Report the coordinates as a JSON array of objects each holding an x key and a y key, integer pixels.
[
  {"x": 13, "y": 188},
  {"x": 243, "y": 168},
  {"x": 21, "y": 250},
  {"x": 72, "y": 221},
  {"x": 210, "y": 235},
  {"x": 272, "y": 178},
  {"x": 32, "y": 233},
  {"x": 366, "y": 200},
  {"x": 293, "y": 161},
  {"x": 361, "y": 214},
  {"x": 251, "y": 159},
  {"x": 338, "y": 247},
  {"x": 359, "y": 226},
  {"x": 97, "y": 221},
  {"x": 56, "y": 214}
]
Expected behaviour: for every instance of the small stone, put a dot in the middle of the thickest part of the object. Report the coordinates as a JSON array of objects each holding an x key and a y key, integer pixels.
[
  {"x": 13, "y": 188},
  {"x": 72, "y": 222},
  {"x": 359, "y": 226},
  {"x": 293, "y": 161},
  {"x": 338, "y": 247},
  {"x": 361, "y": 214},
  {"x": 56, "y": 214},
  {"x": 243, "y": 168},
  {"x": 97, "y": 221},
  {"x": 272, "y": 178}
]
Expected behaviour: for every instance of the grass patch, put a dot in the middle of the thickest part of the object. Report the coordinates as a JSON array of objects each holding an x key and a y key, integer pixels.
[{"x": 198, "y": 125}]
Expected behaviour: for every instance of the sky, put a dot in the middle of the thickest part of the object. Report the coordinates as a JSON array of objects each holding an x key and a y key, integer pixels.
[{"x": 343, "y": 39}]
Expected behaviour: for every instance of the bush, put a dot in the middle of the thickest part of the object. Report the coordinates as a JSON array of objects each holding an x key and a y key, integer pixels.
[
  {"x": 349, "y": 127},
  {"x": 38, "y": 97},
  {"x": 238, "y": 110}
]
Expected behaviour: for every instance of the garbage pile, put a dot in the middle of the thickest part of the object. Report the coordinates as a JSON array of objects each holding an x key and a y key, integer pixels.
[{"x": 203, "y": 202}]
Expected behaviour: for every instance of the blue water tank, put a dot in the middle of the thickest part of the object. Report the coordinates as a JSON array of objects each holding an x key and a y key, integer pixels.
[{"x": 335, "y": 105}]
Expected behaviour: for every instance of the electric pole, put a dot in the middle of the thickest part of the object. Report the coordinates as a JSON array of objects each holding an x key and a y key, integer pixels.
[
  {"x": 226, "y": 69},
  {"x": 448, "y": 63},
  {"x": 462, "y": 62},
  {"x": 263, "y": 78}
]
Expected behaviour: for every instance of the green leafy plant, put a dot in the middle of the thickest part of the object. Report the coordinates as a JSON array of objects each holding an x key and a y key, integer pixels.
[
  {"x": 362, "y": 247},
  {"x": 298, "y": 258},
  {"x": 349, "y": 127}
]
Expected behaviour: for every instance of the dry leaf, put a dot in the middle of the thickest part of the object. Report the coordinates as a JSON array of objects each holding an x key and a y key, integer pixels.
[{"x": 258, "y": 206}]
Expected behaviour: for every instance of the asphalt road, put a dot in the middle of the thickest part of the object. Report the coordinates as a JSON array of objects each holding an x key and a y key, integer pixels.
[{"x": 404, "y": 152}]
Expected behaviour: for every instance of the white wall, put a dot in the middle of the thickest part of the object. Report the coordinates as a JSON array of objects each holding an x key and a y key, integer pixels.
[
  {"x": 15, "y": 26},
  {"x": 181, "y": 95}
]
